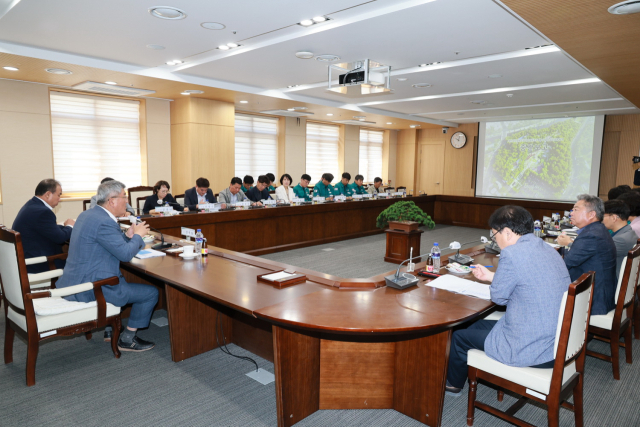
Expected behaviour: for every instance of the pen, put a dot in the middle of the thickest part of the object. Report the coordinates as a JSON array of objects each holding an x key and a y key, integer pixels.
[{"x": 485, "y": 266}]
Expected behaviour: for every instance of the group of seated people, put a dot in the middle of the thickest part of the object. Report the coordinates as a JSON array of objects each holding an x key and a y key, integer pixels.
[{"x": 244, "y": 189}]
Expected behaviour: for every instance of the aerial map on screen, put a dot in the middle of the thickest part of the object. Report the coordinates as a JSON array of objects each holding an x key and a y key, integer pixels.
[{"x": 548, "y": 159}]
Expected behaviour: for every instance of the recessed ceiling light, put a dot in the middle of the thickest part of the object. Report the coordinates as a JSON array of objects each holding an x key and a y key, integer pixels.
[
  {"x": 298, "y": 108},
  {"x": 174, "y": 62},
  {"x": 155, "y": 46},
  {"x": 192, "y": 91},
  {"x": 422, "y": 65},
  {"x": 329, "y": 114},
  {"x": 232, "y": 45},
  {"x": 290, "y": 86},
  {"x": 306, "y": 22},
  {"x": 421, "y": 85},
  {"x": 495, "y": 76},
  {"x": 414, "y": 126},
  {"x": 389, "y": 123},
  {"x": 185, "y": 93},
  {"x": 478, "y": 102},
  {"x": 625, "y": 7},
  {"x": 111, "y": 83},
  {"x": 362, "y": 120},
  {"x": 402, "y": 79},
  {"x": 509, "y": 95},
  {"x": 319, "y": 19},
  {"x": 304, "y": 55},
  {"x": 213, "y": 26},
  {"x": 244, "y": 102},
  {"x": 10, "y": 68},
  {"x": 359, "y": 117},
  {"x": 327, "y": 58},
  {"x": 167, "y": 12},
  {"x": 315, "y": 20},
  {"x": 60, "y": 71},
  {"x": 223, "y": 47},
  {"x": 291, "y": 109}
]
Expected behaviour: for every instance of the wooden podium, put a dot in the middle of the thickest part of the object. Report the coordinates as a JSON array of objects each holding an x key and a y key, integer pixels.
[{"x": 400, "y": 242}]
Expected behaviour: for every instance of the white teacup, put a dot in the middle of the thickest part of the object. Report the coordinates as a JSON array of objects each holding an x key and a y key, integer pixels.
[{"x": 188, "y": 250}]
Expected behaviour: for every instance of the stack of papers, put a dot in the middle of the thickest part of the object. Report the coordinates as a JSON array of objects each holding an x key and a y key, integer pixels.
[
  {"x": 458, "y": 285},
  {"x": 149, "y": 253}
]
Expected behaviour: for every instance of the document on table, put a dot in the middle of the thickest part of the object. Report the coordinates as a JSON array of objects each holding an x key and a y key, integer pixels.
[
  {"x": 149, "y": 253},
  {"x": 458, "y": 285},
  {"x": 553, "y": 245},
  {"x": 278, "y": 276}
]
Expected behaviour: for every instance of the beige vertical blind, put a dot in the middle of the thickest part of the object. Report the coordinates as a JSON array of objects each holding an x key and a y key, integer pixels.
[
  {"x": 256, "y": 145},
  {"x": 322, "y": 151},
  {"x": 95, "y": 137},
  {"x": 370, "y": 164}
]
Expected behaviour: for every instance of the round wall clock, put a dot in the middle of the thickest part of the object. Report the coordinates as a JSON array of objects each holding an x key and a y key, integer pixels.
[{"x": 458, "y": 140}]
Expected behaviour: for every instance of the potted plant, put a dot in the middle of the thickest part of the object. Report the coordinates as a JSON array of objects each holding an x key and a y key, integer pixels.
[{"x": 404, "y": 216}]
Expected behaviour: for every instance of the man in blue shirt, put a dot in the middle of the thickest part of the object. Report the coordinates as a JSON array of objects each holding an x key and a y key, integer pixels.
[
  {"x": 525, "y": 336},
  {"x": 302, "y": 189},
  {"x": 343, "y": 187},
  {"x": 324, "y": 188},
  {"x": 259, "y": 192},
  {"x": 357, "y": 187}
]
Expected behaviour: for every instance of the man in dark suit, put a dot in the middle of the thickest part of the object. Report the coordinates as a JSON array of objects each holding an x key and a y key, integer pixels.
[
  {"x": 259, "y": 192},
  {"x": 592, "y": 250},
  {"x": 36, "y": 222},
  {"x": 199, "y": 194}
]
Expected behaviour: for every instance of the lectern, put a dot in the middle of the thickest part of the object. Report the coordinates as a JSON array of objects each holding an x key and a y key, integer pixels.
[{"x": 400, "y": 239}]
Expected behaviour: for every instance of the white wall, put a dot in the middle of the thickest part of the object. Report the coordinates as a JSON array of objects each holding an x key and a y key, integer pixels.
[{"x": 295, "y": 147}]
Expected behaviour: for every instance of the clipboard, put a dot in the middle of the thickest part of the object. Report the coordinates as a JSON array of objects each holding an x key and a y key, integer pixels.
[{"x": 282, "y": 278}]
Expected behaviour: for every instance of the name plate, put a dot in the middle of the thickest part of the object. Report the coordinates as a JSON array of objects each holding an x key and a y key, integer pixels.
[
  {"x": 398, "y": 193},
  {"x": 367, "y": 196},
  {"x": 210, "y": 207},
  {"x": 297, "y": 200},
  {"x": 383, "y": 194},
  {"x": 189, "y": 232},
  {"x": 269, "y": 202},
  {"x": 318, "y": 199},
  {"x": 163, "y": 209},
  {"x": 357, "y": 196},
  {"x": 546, "y": 219},
  {"x": 341, "y": 198},
  {"x": 243, "y": 204}
]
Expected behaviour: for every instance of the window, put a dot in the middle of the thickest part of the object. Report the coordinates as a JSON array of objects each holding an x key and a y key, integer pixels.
[
  {"x": 256, "y": 145},
  {"x": 370, "y": 154},
  {"x": 322, "y": 151},
  {"x": 94, "y": 137}
]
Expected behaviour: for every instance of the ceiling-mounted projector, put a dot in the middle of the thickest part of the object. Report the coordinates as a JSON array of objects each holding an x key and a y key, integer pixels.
[{"x": 359, "y": 78}]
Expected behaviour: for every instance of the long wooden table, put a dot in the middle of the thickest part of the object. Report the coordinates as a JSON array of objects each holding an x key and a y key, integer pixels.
[{"x": 335, "y": 343}]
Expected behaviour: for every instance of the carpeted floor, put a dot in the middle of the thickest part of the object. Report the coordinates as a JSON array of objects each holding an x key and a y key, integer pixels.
[{"x": 80, "y": 383}]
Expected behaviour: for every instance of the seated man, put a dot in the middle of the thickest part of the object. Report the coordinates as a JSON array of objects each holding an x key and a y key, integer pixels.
[
  {"x": 525, "y": 336},
  {"x": 616, "y": 191},
  {"x": 592, "y": 250},
  {"x": 93, "y": 203},
  {"x": 199, "y": 195},
  {"x": 632, "y": 199},
  {"x": 357, "y": 187},
  {"x": 324, "y": 188},
  {"x": 302, "y": 189},
  {"x": 36, "y": 222},
  {"x": 616, "y": 213},
  {"x": 247, "y": 183},
  {"x": 233, "y": 194},
  {"x": 343, "y": 188},
  {"x": 272, "y": 179},
  {"x": 259, "y": 192},
  {"x": 97, "y": 247},
  {"x": 376, "y": 187}
]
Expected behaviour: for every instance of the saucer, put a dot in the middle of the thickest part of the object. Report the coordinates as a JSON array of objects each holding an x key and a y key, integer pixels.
[{"x": 188, "y": 256}]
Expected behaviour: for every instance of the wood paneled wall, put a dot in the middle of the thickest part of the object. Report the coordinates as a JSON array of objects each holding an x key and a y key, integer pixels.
[
  {"x": 406, "y": 159},
  {"x": 620, "y": 143},
  {"x": 202, "y": 143}
]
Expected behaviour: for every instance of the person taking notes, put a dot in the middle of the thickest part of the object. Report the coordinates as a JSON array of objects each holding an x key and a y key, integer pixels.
[
  {"x": 302, "y": 189},
  {"x": 324, "y": 188},
  {"x": 357, "y": 186},
  {"x": 343, "y": 188},
  {"x": 233, "y": 194},
  {"x": 199, "y": 195}
]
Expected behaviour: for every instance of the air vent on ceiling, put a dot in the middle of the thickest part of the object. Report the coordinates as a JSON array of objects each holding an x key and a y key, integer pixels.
[
  {"x": 112, "y": 90},
  {"x": 287, "y": 113},
  {"x": 354, "y": 122}
]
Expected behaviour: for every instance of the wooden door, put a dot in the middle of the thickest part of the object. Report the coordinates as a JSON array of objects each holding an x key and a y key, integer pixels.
[{"x": 431, "y": 169}]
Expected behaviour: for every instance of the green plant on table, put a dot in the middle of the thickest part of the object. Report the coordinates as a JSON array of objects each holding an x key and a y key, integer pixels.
[{"x": 404, "y": 211}]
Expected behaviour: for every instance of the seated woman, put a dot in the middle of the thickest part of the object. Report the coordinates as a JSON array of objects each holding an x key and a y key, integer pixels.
[
  {"x": 285, "y": 191},
  {"x": 530, "y": 281},
  {"x": 161, "y": 197}
]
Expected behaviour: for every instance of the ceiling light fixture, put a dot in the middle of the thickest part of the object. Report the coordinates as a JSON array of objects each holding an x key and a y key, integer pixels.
[
  {"x": 315, "y": 20},
  {"x": 389, "y": 123},
  {"x": 290, "y": 86},
  {"x": 10, "y": 68},
  {"x": 111, "y": 83},
  {"x": 229, "y": 46},
  {"x": 421, "y": 85},
  {"x": 402, "y": 79},
  {"x": 359, "y": 117},
  {"x": 223, "y": 47},
  {"x": 174, "y": 62},
  {"x": 291, "y": 109},
  {"x": 185, "y": 93},
  {"x": 432, "y": 63},
  {"x": 538, "y": 47},
  {"x": 509, "y": 95},
  {"x": 298, "y": 108},
  {"x": 306, "y": 22},
  {"x": 167, "y": 12},
  {"x": 478, "y": 102},
  {"x": 192, "y": 91},
  {"x": 244, "y": 102},
  {"x": 232, "y": 45},
  {"x": 155, "y": 46},
  {"x": 329, "y": 114},
  {"x": 414, "y": 126},
  {"x": 625, "y": 8},
  {"x": 60, "y": 71},
  {"x": 213, "y": 26},
  {"x": 319, "y": 19},
  {"x": 327, "y": 58},
  {"x": 304, "y": 55}
]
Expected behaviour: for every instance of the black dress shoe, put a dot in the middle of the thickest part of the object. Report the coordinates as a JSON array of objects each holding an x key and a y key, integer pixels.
[
  {"x": 452, "y": 391},
  {"x": 137, "y": 344},
  {"x": 107, "y": 336}
]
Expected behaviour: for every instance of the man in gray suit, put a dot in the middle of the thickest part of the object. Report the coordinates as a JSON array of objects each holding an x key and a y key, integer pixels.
[
  {"x": 616, "y": 213},
  {"x": 96, "y": 249},
  {"x": 94, "y": 199},
  {"x": 525, "y": 336},
  {"x": 233, "y": 194}
]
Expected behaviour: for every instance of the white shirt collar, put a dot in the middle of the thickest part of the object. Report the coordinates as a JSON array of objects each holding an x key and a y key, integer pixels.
[
  {"x": 113, "y": 217},
  {"x": 45, "y": 203}
]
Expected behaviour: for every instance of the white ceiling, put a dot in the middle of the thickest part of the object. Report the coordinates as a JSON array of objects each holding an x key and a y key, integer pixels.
[{"x": 472, "y": 38}]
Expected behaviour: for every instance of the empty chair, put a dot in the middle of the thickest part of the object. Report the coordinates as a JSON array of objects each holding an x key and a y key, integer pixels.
[
  {"x": 85, "y": 204},
  {"x": 141, "y": 192},
  {"x": 179, "y": 199},
  {"x": 616, "y": 323},
  {"x": 551, "y": 387},
  {"x": 44, "y": 314}
]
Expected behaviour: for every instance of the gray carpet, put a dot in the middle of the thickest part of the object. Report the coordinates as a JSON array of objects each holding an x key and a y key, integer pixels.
[{"x": 79, "y": 382}]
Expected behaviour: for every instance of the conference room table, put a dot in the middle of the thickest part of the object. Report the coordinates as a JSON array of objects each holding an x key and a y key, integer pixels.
[{"x": 336, "y": 343}]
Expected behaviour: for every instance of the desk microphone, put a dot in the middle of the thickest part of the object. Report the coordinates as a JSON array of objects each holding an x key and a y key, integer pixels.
[
  {"x": 464, "y": 259},
  {"x": 407, "y": 280},
  {"x": 159, "y": 246}
]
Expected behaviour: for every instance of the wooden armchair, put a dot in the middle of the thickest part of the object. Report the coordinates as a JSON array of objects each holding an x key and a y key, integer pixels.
[
  {"x": 43, "y": 314},
  {"x": 85, "y": 204},
  {"x": 145, "y": 189},
  {"x": 550, "y": 387},
  {"x": 45, "y": 279},
  {"x": 611, "y": 326}
]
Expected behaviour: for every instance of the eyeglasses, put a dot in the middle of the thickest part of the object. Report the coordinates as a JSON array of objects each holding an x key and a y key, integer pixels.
[
  {"x": 119, "y": 197},
  {"x": 492, "y": 235}
]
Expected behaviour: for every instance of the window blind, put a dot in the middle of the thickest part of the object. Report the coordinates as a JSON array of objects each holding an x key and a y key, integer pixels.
[
  {"x": 94, "y": 137},
  {"x": 256, "y": 145},
  {"x": 370, "y": 164},
  {"x": 322, "y": 151}
]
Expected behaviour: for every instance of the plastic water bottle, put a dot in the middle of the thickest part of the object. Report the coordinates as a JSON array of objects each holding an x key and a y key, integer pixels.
[
  {"x": 199, "y": 240},
  {"x": 536, "y": 229},
  {"x": 435, "y": 254}
]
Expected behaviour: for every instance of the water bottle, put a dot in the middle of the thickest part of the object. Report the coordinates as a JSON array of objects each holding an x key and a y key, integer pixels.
[
  {"x": 435, "y": 254},
  {"x": 536, "y": 229},
  {"x": 199, "y": 240}
]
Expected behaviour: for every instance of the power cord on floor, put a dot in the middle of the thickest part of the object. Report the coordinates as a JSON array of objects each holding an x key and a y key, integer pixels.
[{"x": 224, "y": 348}]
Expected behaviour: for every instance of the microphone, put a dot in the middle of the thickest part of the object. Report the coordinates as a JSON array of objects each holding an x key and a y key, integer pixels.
[
  {"x": 464, "y": 259},
  {"x": 162, "y": 244},
  {"x": 407, "y": 279}
]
